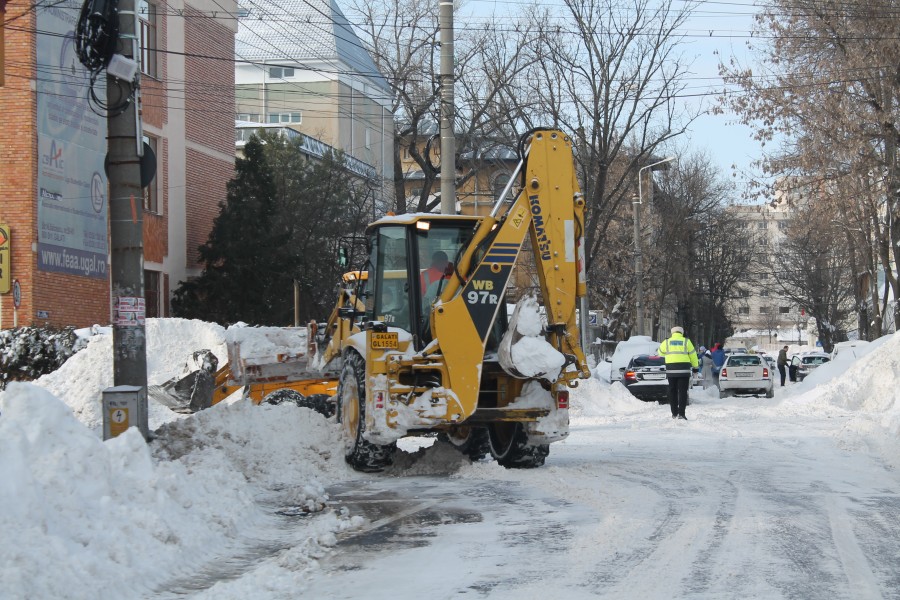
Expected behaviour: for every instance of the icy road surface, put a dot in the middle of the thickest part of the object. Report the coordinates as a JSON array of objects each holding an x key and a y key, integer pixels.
[{"x": 745, "y": 500}]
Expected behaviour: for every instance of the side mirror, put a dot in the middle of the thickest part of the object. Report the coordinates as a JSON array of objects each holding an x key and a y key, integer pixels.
[{"x": 608, "y": 359}]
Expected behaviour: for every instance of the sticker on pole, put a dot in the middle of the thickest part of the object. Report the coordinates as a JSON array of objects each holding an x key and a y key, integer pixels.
[
  {"x": 118, "y": 421},
  {"x": 5, "y": 258},
  {"x": 129, "y": 311},
  {"x": 17, "y": 293}
]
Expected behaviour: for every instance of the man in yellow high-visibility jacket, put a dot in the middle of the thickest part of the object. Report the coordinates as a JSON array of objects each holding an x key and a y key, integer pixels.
[{"x": 681, "y": 360}]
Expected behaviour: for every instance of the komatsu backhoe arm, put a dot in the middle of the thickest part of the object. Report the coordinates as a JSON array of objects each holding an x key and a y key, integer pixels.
[{"x": 550, "y": 208}]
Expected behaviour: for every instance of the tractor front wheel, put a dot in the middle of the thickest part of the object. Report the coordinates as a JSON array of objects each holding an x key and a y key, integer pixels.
[{"x": 359, "y": 453}]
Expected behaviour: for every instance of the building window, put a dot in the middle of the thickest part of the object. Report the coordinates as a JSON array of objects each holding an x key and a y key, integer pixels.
[
  {"x": 281, "y": 72},
  {"x": 785, "y": 310},
  {"x": 152, "y": 293},
  {"x": 743, "y": 310},
  {"x": 762, "y": 225},
  {"x": 286, "y": 117},
  {"x": 500, "y": 182},
  {"x": 415, "y": 192},
  {"x": 782, "y": 225},
  {"x": 764, "y": 293},
  {"x": 764, "y": 310},
  {"x": 743, "y": 293},
  {"x": 151, "y": 192},
  {"x": 147, "y": 37},
  {"x": 251, "y": 117}
]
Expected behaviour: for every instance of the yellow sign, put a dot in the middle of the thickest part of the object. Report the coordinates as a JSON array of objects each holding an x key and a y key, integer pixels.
[
  {"x": 118, "y": 421},
  {"x": 385, "y": 341},
  {"x": 5, "y": 260}
]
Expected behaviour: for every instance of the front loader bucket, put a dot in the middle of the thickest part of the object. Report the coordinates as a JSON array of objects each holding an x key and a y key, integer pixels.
[{"x": 191, "y": 392}]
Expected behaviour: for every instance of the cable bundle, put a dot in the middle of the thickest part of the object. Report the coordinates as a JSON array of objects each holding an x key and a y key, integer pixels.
[{"x": 96, "y": 38}]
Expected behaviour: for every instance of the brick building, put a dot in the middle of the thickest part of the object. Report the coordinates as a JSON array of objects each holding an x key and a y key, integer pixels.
[{"x": 53, "y": 185}]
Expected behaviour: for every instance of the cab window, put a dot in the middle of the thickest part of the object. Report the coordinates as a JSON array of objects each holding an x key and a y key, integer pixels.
[{"x": 390, "y": 302}]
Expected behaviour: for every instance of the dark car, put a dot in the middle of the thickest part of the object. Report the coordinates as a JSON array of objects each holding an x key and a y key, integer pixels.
[{"x": 645, "y": 377}]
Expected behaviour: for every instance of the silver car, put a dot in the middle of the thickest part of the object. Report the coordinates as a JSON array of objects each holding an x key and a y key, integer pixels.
[{"x": 746, "y": 374}]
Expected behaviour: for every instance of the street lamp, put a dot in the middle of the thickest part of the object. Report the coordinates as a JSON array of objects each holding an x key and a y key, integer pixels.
[{"x": 638, "y": 257}]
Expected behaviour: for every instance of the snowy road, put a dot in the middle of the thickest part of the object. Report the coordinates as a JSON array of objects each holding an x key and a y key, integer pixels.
[{"x": 732, "y": 504}]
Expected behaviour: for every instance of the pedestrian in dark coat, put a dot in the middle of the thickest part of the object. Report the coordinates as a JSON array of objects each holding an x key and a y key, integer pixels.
[{"x": 782, "y": 364}]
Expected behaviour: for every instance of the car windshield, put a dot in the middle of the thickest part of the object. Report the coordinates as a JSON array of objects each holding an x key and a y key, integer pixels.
[
  {"x": 815, "y": 360},
  {"x": 743, "y": 361},
  {"x": 648, "y": 361}
]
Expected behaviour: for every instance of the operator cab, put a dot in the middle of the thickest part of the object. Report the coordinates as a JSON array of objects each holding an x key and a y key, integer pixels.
[{"x": 412, "y": 258}]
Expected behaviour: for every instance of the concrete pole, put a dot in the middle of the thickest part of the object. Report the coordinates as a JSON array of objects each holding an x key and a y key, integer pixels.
[
  {"x": 448, "y": 141},
  {"x": 638, "y": 267},
  {"x": 126, "y": 227},
  {"x": 296, "y": 303}
]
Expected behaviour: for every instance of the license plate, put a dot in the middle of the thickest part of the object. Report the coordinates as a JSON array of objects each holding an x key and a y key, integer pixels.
[
  {"x": 654, "y": 375},
  {"x": 385, "y": 341},
  {"x": 744, "y": 374}
]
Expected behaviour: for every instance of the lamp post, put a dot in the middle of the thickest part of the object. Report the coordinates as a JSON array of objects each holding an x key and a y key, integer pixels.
[{"x": 638, "y": 257}]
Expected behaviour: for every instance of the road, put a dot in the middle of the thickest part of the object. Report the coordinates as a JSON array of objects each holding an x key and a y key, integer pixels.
[
  {"x": 745, "y": 500},
  {"x": 728, "y": 505}
]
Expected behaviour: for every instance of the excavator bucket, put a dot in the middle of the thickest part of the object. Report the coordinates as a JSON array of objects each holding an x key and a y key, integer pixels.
[
  {"x": 523, "y": 351},
  {"x": 192, "y": 391}
]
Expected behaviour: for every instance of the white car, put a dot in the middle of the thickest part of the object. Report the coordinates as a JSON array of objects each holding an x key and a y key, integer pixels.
[
  {"x": 803, "y": 364},
  {"x": 746, "y": 374}
]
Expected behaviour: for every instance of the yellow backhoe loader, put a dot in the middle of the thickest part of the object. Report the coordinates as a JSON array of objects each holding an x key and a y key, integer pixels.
[{"x": 426, "y": 345}]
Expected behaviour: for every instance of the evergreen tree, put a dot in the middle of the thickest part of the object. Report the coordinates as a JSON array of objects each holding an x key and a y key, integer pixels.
[
  {"x": 284, "y": 220},
  {"x": 243, "y": 259}
]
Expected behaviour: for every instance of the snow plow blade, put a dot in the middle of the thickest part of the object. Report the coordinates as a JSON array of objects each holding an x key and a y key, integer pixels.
[{"x": 191, "y": 392}]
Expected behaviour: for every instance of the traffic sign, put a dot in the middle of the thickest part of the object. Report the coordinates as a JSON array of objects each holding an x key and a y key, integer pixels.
[{"x": 17, "y": 293}]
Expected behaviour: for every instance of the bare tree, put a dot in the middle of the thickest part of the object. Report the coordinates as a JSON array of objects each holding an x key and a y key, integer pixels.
[
  {"x": 402, "y": 37},
  {"x": 828, "y": 85},
  {"x": 609, "y": 71},
  {"x": 815, "y": 273}
]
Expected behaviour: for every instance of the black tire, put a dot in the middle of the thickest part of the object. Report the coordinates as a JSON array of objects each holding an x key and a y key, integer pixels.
[
  {"x": 770, "y": 393},
  {"x": 510, "y": 447},
  {"x": 284, "y": 395},
  {"x": 473, "y": 442},
  {"x": 323, "y": 404},
  {"x": 724, "y": 394},
  {"x": 359, "y": 453}
]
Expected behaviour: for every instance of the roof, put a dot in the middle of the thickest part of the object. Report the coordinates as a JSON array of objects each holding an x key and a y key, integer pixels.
[{"x": 290, "y": 32}]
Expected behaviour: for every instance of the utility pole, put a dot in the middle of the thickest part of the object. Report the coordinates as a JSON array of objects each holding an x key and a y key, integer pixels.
[
  {"x": 638, "y": 256},
  {"x": 448, "y": 140},
  {"x": 126, "y": 221}
]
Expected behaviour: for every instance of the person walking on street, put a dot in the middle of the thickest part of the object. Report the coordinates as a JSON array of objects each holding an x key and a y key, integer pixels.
[
  {"x": 718, "y": 359},
  {"x": 681, "y": 360},
  {"x": 782, "y": 363}
]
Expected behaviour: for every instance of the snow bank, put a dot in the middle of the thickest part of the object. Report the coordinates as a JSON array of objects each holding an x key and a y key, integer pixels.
[
  {"x": 869, "y": 385},
  {"x": 594, "y": 399},
  {"x": 78, "y": 513},
  {"x": 170, "y": 342}
]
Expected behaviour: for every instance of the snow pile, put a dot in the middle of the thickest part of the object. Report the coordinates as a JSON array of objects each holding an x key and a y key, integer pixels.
[
  {"x": 263, "y": 344},
  {"x": 531, "y": 355},
  {"x": 440, "y": 458},
  {"x": 170, "y": 342},
  {"x": 594, "y": 399},
  {"x": 869, "y": 385},
  {"x": 78, "y": 513}
]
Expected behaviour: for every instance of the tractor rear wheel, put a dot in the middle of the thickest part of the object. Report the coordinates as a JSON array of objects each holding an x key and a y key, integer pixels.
[
  {"x": 359, "y": 453},
  {"x": 472, "y": 441},
  {"x": 510, "y": 447}
]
